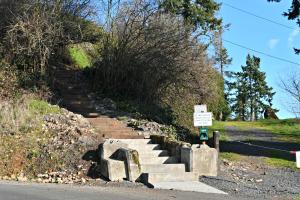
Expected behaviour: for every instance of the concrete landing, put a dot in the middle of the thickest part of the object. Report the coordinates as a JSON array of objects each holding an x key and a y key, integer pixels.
[{"x": 191, "y": 186}]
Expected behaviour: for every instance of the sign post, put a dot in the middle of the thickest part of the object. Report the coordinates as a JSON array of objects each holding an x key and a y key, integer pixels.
[
  {"x": 202, "y": 119},
  {"x": 298, "y": 159}
]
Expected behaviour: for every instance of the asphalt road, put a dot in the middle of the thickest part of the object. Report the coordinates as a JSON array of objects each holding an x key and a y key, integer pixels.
[{"x": 24, "y": 191}]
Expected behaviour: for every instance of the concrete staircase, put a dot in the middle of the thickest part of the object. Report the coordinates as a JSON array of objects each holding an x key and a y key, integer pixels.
[
  {"x": 156, "y": 164},
  {"x": 73, "y": 94}
]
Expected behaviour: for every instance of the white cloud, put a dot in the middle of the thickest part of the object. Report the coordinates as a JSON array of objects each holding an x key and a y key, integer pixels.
[
  {"x": 273, "y": 43},
  {"x": 292, "y": 36}
]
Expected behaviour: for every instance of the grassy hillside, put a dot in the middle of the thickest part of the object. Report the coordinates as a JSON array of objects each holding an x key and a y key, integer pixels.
[{"x": 286, "y": 130}]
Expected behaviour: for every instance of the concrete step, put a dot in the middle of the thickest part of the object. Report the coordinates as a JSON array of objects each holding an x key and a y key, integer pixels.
[
  {"x": 143, "y": 141},
  {"x": 142, "y": 148},
  {"x": 169, "y": 177},
  {"x": 135, "y": 141},
  {"x": 154, "y": 153},
  {"x": 157, "y": 160},
  {"x": 191, "y": 186},
  {"x": 124, "y": 136},
  {"x": 166, "y": 168}
]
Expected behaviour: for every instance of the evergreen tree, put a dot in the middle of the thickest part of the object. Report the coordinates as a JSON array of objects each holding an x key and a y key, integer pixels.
[
  {"x": 251, "y": 93},
  {"x": 198, "y": 13},
  {"x": 222, "y": 58}
]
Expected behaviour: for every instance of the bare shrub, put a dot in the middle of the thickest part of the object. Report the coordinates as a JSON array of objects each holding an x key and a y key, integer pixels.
[
  {"x": 37, "y": 28},
  {"x": 291, "y": 85},
  {"x": 32, "y": 38},
  {"x": 149, "y": 52},
  {"x": 8, "y": 81},
  {"x": 152, "y": 57}
]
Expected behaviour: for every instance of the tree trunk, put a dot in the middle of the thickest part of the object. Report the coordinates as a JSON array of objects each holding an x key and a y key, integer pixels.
[{"x": 221, "y": 116}]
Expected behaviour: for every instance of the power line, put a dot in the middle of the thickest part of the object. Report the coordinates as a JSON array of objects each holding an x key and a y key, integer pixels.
[
  {"x": 260, "y": 52},
  {"x": 257, "y": 16}
]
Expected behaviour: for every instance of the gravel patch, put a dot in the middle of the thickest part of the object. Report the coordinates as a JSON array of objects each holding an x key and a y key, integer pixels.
[{"x": 250, "y": 180}]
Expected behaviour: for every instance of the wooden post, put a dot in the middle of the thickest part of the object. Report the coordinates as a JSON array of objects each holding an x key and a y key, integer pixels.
[{"x": 216, "y": 138}]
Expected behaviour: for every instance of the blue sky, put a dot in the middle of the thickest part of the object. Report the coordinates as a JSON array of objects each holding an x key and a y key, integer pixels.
[{"x": 266, "y": 37}]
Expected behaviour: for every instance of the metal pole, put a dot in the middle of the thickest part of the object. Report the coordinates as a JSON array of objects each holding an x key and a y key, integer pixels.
[{"x": 216, "y": 138}]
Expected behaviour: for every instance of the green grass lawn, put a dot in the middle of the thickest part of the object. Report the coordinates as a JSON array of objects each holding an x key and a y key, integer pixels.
[{"x": 287, "y": 130}]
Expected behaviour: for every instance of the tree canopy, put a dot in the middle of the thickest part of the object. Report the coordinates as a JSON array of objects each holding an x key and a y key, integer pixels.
[{"x": 201, "y": 14}]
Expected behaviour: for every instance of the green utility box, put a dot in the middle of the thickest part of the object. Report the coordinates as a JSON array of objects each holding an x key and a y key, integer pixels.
[{"x": 203, "y": 134}]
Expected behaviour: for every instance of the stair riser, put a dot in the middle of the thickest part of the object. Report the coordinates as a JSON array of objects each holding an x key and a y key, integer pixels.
[
  {"x": 154, "y": 153},
  {"x": 127, "y": 136},
  {"x": 157, "y": 160},
  {"x": 167, "y": 177},
  {"x": 137, "y": 142},
  {"x": 144, "y": 148},
  {"x": 166, "y": 168}
]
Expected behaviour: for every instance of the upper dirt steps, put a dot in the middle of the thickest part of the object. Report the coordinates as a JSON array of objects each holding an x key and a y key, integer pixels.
[{"x": 72, "y": 93}]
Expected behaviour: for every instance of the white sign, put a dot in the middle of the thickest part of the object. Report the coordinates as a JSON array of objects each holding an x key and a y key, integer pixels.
[
  {"x": 298, "y": 159},
  {"x": 200, "y": 108},
  {"x": 202, "y": 119}
]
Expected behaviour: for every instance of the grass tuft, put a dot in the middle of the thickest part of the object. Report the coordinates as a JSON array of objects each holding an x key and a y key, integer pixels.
[
  {"x": 23, "y": 115},
  {"x": 80, "y": 57},
  {"x": 42, "y": 107},
  {"x": 278, "y": 162},
  {"x": 230, "y": 156}
]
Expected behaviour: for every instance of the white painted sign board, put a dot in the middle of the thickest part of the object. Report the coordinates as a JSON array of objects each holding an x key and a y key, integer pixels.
[
  {"x": 202, "y": 119},
  {"x": 298, "y": 159},
  {"x": 200, "y": 108}
]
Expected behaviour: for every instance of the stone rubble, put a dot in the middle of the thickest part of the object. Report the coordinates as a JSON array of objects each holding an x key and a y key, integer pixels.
[{"x": 71, "y": 137}]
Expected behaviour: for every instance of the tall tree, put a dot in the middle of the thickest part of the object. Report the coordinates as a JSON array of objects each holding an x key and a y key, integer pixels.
[
  {"x": 201, "y": 14},
  {"x": 222, "y": 58},
  {"x": 252, "y": 94}
]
